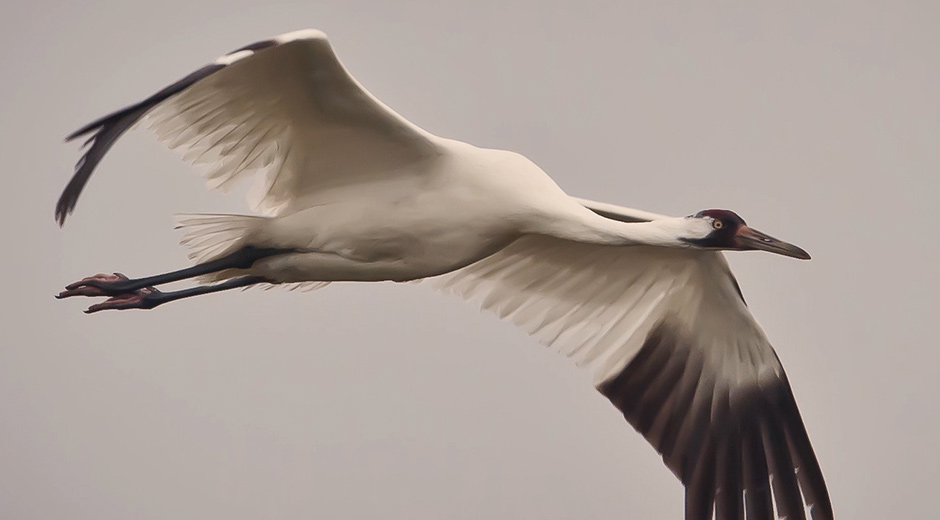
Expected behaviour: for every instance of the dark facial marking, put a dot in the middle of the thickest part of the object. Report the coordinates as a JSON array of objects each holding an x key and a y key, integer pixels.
[
  {"x": 727, "y": 217},
  {"x": 723, "y": 237}
]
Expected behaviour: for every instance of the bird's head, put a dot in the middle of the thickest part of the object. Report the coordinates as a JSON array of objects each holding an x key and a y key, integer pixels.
[{"x": 723, "y": 229}]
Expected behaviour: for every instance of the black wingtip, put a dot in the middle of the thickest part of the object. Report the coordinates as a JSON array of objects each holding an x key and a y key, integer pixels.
[
  {"x": 76, "y": 134},
  {"x": 60, "y": 213},
  {"x": 106, "y": 130},
  {"x": 91, "y": 127},
  {"x": 60, "y": 217},
  {"x": 65, "y": 204},
  {"x": 739, "y": 451}
]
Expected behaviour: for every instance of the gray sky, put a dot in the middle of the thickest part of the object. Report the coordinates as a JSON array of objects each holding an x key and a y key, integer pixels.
[{"x": 817, "y": 123}]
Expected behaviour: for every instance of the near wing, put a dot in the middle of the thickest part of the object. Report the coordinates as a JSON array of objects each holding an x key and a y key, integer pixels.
[
  {"x": 283, "y": 110},
  {"x": 677, "y": 351}
]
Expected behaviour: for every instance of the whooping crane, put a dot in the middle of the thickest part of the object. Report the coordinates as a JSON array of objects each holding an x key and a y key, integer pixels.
[{"x": 348, "y": 190}]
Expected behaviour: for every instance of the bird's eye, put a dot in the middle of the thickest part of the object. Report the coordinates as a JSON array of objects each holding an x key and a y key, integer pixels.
[{"x": 717, "y": 224}]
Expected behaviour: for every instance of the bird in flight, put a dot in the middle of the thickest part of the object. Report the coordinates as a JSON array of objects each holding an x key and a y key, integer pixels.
[{"x": 345, "y": 189}]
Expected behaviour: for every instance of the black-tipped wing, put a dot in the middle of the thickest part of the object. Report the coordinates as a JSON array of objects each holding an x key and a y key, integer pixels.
[
  {"x": 732, "y": 442},
  {"x": 677, "y": 351},
  {"x": 105, "y": 131},
  {"x": 284, "y": 111}
]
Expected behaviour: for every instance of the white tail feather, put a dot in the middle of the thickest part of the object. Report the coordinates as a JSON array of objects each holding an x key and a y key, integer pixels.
[
  {"x": 209, "y": 237},
  {"x": 212, "y": 236}
]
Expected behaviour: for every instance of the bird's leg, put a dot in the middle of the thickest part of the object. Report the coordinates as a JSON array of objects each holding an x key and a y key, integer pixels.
[
  {"x": 150, "y": 297},
  {"x": 119, "y": 285}
]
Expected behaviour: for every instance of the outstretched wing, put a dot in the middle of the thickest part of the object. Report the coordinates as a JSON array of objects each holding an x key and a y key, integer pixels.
[
  {"x": 283, "y": 110},
  {"x": 677, "y": 351}
]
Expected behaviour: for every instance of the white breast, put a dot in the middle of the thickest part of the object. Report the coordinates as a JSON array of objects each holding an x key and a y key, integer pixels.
[{"x": 460, "y": 207}]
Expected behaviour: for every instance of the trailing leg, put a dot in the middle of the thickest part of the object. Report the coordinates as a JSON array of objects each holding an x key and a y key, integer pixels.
[
  {"x": 117, "y": 284},
  {"x": 150, "y": 297}
]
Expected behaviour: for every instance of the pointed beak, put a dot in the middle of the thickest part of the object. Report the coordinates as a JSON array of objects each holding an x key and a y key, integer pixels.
[{"x": 750, "y": 239}]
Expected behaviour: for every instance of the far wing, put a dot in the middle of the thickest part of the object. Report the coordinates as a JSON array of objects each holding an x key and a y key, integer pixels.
[
  {"x": 615, "y": 212},
  {"x": 283, "y": 111},
  {"x": 677, "y": 351}
]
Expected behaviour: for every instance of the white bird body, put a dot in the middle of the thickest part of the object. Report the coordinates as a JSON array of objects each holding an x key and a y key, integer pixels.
[
  {"x": 348, "y": 190},
  {"x": 445, "y": 214},
  {"x": 383, "y": 231}
]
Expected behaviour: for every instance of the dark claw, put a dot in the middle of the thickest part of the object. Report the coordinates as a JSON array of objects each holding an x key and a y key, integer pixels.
[
  {"x": 146, "y": 298},
  {"x": 99, "y": 285},
  {"x": 87, "y": 290}
]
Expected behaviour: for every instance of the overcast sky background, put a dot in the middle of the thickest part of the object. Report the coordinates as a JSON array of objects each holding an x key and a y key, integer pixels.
[{"x": 817, "y": 122}]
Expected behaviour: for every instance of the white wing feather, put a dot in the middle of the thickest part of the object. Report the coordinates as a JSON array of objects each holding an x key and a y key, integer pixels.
[
  {"x": 292, "y": 117},
  {"x": 597, "y": 304},
  {"x": 676, "y": 350},
  {"x": 284, "y": 111}
]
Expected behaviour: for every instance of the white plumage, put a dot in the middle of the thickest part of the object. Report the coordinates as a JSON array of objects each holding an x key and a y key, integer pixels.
[
  {"x": 348, "y": 190},
  {"x": 598, "y": 304}
]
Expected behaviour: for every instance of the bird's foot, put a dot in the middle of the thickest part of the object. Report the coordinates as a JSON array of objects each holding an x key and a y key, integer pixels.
[
  {"x": 117, "y": 286},
  {"x": 99, "y": 285},
  {"x": 146, "y": 298}
]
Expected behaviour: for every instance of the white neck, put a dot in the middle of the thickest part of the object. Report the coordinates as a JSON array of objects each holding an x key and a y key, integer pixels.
[{"x": 588, "y": 227}]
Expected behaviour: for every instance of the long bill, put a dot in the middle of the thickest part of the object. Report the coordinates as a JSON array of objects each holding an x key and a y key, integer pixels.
[{"x": 752, "y": 239}]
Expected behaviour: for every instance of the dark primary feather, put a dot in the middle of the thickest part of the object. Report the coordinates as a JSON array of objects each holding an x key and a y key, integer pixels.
[
  {"x": 726, "y": 444},
  {"x": 616, "y": 216},
  {"x": 255, "y": 47},
  {"x": 105, "y": 131}
]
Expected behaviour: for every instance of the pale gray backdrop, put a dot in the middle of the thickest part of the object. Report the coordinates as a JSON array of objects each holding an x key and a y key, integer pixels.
[{"x": 817, "y": 122}]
